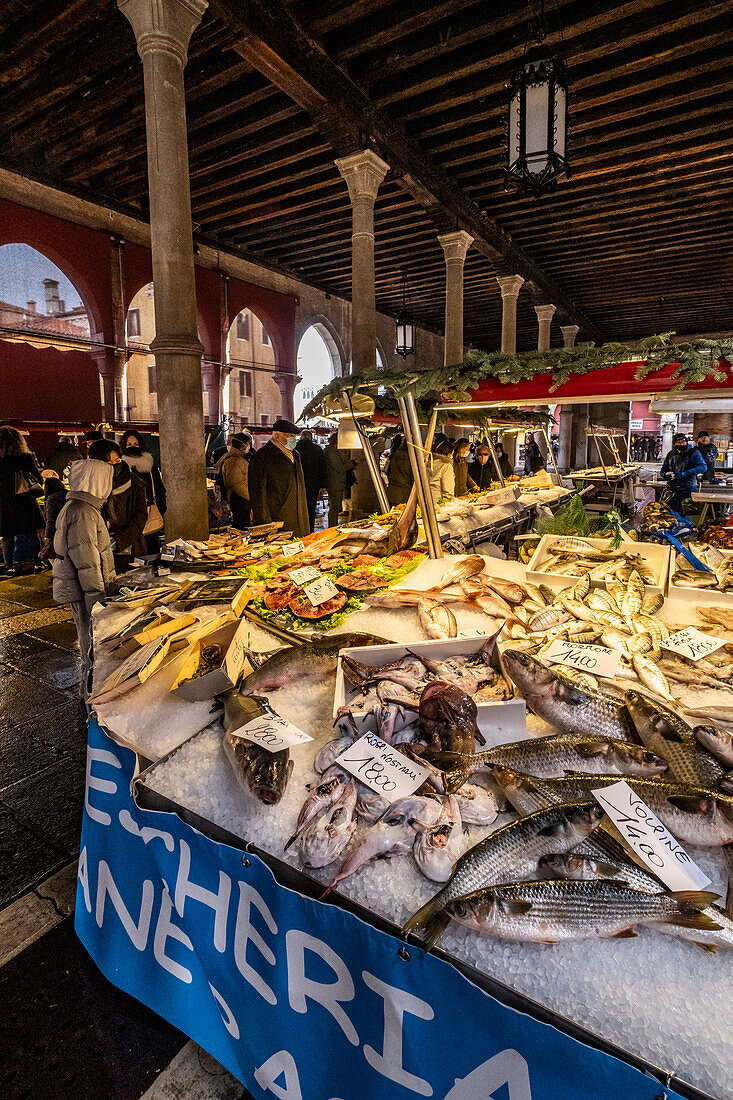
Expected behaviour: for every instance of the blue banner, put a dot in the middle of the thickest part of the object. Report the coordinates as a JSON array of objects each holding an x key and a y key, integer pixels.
[{"x": 299, "y": 999}]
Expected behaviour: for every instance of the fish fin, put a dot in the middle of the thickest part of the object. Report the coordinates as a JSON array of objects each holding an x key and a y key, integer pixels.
[
  {"x": 666, "y": 731},
  {"x": 690, "y": 803},
  {"x": 424, "y": 915},
  {"x": 434, "y": 929},
  {"x": 691, "y": 903},
  {"x": 627, "y": 934},
  {"x": 705, "y": 946},
  {"x": 591, "y": 748},
  {"x": 569, "y": 694},
  {"x": 516, "y": 907},
  {"x": 607, "y": 870},
  {"x": 555, "y": 829},
  {"x": 727, "y": 854}
]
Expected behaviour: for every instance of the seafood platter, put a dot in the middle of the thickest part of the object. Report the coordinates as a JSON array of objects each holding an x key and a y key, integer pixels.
[
  {"x": 500, "y": 856},
  {"x": 558, "y": 559}
]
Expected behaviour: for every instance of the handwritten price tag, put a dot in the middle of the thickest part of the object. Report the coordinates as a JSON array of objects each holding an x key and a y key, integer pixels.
[
  {"x": 304, "y": 574},
  {"x": 321, "y": 590},
  {"x": 293, "y": 549},
  {"x": 387, "y": 771},
  {"x": 692, "y": 643},
  {"x": 651, "y": 841},
  {"x": 273, "y": 733},
  {"x": 596, "y": 659},
  {"x": 165, "y": 556}
]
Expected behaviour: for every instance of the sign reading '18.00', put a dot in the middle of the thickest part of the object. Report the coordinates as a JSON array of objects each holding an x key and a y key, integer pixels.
[{"x": 384, "y": 769}]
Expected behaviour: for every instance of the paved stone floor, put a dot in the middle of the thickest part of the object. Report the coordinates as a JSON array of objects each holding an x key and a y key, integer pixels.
[{"x": 66, "y": 1030}]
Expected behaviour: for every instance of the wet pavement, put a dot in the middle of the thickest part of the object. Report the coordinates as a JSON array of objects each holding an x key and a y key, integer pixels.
[{"x": 67, "y": 1031}]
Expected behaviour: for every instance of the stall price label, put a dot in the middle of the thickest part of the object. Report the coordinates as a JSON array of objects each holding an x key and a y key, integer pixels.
[
  {"x": 167, "y": 557},
  {"x": 304, "y": 574},
  {"x": 321, "y": 590},
  {"x": 388, "y": 772},
  {"x": 596, "y": 659},
  {"x": 293, "y": 549},
  {"x": 692, "y": 643},
  {"x": 644, "y": 832},
  {"x": 273, "y": 733}
]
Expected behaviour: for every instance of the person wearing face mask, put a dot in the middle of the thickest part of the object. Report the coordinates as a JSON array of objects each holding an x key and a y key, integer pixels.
[
  {"x": 233, "y": 474},
  {"x": 461, "y": 452},
  {"x": 482, "y": 470},
  {"x": 276, "y": 483},
  {"x": 533, "y": 460},
  {"x": 681, "y": 469},
  {"x": 126, "y": 510},
  {"x": 138, "y": 458}
]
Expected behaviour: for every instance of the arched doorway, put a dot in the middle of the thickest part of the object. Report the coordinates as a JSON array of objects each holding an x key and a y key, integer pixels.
[
  {"x": 36, "y": 297},
  {"x": 139, "y": 386},
  {"x": 250, "y": 395},
  {"x": 318, "y": 361}
]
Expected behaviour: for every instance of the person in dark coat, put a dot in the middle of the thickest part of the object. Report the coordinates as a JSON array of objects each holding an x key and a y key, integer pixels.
[
  {"x": 314, "y": 471},
  {"x": 681, "y": 469},
  {"x": 482, "y": 470},
  {"x": 138, "y": 458},
  {"x": 20, "y": 487},
  {"x": 709, "y": 454},
  {"x": 233, "y": 474},
  {"x": 533, "y": 460},
  {"x": 54, "y": 492},
  {"x": 461, "y": 452},
  {"x": 126, "y": 510},
  {"x": 276, "y": 483},
  {"x": 399, "y": 472},
  {"x": 62, "y": 455}
]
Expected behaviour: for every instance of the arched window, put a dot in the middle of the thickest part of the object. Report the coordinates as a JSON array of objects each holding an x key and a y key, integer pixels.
[
  {"x": 139, "y": 385},
  {"x": 318, "y": 362},
  {"x": 250, "y": 395},
  {"x": 38, "y": 303}
]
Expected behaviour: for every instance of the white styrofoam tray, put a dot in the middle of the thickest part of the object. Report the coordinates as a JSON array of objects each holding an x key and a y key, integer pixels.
[
  {"x": 652, "y": 554},
  {"x": 500, "y": 721},
  {"x": 705, "y": 596}
]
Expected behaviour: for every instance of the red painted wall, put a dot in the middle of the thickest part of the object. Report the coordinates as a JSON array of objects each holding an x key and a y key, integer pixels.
[{"x": 45, "y": 384}]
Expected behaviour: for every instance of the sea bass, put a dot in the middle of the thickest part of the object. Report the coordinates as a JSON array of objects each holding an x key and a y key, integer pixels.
[
  {"x": 312, "y": 661},
  {"x": 513, "y": 851},
  {"x": 565, "y": 705},
  {"x": 556, "y": 910}
]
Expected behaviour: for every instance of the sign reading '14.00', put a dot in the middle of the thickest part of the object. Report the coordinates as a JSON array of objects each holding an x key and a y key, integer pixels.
[{"x": 596, "y": 659}]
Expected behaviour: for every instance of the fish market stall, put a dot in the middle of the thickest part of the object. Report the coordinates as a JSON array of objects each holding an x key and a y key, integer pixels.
[{"x": 202, "y": 895}]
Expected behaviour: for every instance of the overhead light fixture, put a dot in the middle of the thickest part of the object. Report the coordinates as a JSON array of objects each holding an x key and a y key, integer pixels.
[
  {"x": 537, "y": 117},
  {"x": 404, "y": 327}
]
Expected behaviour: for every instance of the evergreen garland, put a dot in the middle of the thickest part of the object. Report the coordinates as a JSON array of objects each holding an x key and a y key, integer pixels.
[{"x": 697, "y": 359}]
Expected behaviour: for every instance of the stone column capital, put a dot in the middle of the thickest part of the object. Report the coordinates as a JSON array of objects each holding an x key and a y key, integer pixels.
[
  {"x": 569, "y": 332},
  {"x": 363, "y": 173},
  {"x": 545, "y": 313},
  {"x": 510, "y": 285},
  {"x": 455, "y": 245},
  {"x": 163, "y": 26}
]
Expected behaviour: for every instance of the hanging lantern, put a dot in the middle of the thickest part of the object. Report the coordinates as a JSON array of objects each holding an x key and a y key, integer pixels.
[
  {"x": 404, "y": 327},
  {"x": 537, "y": 119}
]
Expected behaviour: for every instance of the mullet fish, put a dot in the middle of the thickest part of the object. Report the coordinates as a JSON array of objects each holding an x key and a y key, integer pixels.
[{"x": 662, "y": 730}]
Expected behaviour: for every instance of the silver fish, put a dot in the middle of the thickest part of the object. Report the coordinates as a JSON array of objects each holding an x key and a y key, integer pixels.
[
  {"x": 660, "y": 728},
  {"x": 325, "y": 837},
  {"x": 718, "y": 742},
  {"x": 436, "y": 619}
]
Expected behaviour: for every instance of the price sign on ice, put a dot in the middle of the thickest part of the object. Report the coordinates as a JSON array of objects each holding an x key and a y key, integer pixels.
[
  {"x": 692, "y": 643},
  {"x": 645, "y": 833},
  {"x": 292, "y": 549},
  {"x": 304, "y": 574},
  {"x": 273, "y": 733},
  {"x": 384, "y": 769},
  {"x": 596, "y": 659},
  {"x": 321, "y": 590}
]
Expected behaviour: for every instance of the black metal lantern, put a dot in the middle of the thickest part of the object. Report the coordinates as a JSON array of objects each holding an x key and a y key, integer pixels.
[
  {"x": 537, "y": 119},
  {"x": 404, "y": 327}
]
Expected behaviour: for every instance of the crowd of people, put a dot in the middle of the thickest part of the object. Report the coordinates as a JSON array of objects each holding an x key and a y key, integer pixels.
[{"x": 645, "y": 448}]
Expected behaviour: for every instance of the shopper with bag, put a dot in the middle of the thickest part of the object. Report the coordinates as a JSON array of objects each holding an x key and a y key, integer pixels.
[
  {"x": 138, "y": 457},
  {"x": 126, "y": 510},
  {"x": 20, "y": 487},
  {"x": 233, "y": 479}
]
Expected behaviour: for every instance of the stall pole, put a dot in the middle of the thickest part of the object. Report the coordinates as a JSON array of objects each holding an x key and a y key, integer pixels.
[
  {"x": 550, "y": 452},
  {"x": 430, "y": 435},
  {"x": 495, "y": 459},
  {"x": 371, "y": 462},
  {"x": 600, "y": 456},
  {"x": 420, "y": 476}
]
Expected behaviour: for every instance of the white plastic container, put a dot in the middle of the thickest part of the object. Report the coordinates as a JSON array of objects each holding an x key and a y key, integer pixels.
[{"x": 653, "y": 554}]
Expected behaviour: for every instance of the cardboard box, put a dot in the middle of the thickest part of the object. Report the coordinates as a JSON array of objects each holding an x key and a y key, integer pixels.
[
  {"x": 500, "y": 721},
  {"x": 653, "y": 554},
  {"x": 232, "y": 637}
]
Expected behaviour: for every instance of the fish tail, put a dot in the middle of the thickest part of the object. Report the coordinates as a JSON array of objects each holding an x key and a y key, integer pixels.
[
  {"x": 424, "y": 915},
  {"x": 434, "y": 929},
  {"x": 690, "y": 915}
]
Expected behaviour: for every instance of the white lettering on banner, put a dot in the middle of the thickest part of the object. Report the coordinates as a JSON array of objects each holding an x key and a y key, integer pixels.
[
  {"x": 321, "y": 590},
  {"x": 597, "y": 659},
  {"x": 128, "y": 823},
  {"x": 164, "y": 930},
  {"x": 273, "y": 733},
  {"x": 227, "y": 1016},
  {"x": 138, "y": 933},
  {"x": 304, "y": 574},
  {"x": 83, "y": 876},
  {"x": 292, "y": 549},
  {"x": 107, "y": 786},
  {"x": 396, "y": 1003},
  {"x": 692, "y": 643},
  {"x": 245, "y": 933},
  {"x": 384, "y": 769},
  {"x": 508, "y": 1067},
  {"x": 651, "y": 841},
  {"x": 218, "y": 902},
  {"x": 300, "y": 987},
  {"x": 282, "y": 1064}
]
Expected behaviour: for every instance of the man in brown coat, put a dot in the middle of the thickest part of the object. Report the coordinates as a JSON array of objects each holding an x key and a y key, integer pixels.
[{"x": 234, "y": 470}]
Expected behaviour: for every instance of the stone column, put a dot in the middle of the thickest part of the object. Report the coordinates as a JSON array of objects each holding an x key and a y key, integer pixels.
[
  {"x": 564, "y": 453},
  {"x": 363, "y": 173},
  {"x": 510, "y": 286},
  {"x": 119, "y": 318},
  {"x": 455, "y": 246},
  {"x": 211, "y": 379},
  {"x": 107, "y": 365},
  {"x": 286, "y": 383},
  {"x": 581, "y": 439},
  {"x": 163, "y": 29},
  {"x": 569, "y": 332},
  {"x": 544, "y": 318}
]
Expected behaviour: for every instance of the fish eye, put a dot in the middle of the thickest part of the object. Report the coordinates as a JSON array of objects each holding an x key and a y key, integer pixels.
[{"x": 649, "y": 757}]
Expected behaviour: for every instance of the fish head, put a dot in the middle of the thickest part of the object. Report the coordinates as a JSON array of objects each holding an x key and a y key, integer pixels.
[
  {"x": 631, "y": 759},
  {"x": 267, "y": 778},
  {"x": 712, "y": 739},
  {"x": 571, "y": 824},
  {"x": 480, "y": 910},
  {"x": 529, "y": 674},
  {"x": 521, "y": 790}
]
